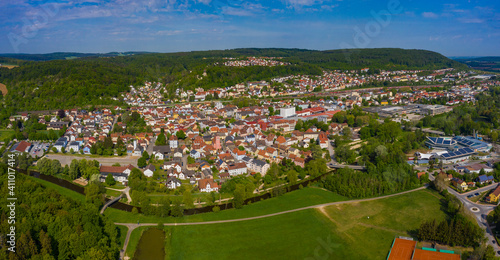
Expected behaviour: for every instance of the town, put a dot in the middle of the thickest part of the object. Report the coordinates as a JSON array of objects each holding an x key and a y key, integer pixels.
[
  {"x": 210, "y": 141},
  {"x": 201, "y": 143}
]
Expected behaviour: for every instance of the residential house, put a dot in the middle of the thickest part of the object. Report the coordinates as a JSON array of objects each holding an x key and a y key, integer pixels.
[
  {"x": 494, "y": 195},
  {"x": 483, "y": 179},
  {"x": 459, "y": 184},
  {"x": 173, "y": 183},
  {"x": 237, "y": 169},
  {"x": 149, "y": 170},
  {"x": 173, "y": 165},
  {"x": 208, "y": 185},
  {"x": 237, "y": 154},
  {"x": 61, "y": 143},
  {"x": 86, "y": 149},
  {"x": 160, "y": 151},
  {"x": 195, "y": 154},
  {"x": 259, "y": 166},
  {"x": 75, "y": 146},
  {"x": 119, "y": 173},
  {"x": 173, "y": 141}
]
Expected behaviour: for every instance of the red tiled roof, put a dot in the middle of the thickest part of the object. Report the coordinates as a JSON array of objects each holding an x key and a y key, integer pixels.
[
  {"x": 21, "y": 147},
  {"x": 115, "y": 169},
  {"x": 202, "y": 184}
]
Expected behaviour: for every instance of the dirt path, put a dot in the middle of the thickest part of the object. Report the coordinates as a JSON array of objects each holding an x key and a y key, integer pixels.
[
  {"x": 3, "y": 89},
  {"x": 132, "y": 226},
  {"x": 341, "y": 229},
  {"x": 274, "y": 214}
]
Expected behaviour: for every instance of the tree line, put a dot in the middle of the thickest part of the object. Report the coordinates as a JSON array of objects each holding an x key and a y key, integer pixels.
[{"x": 52, "y": 226}]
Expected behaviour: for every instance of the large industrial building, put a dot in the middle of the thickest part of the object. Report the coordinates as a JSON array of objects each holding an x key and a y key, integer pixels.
[
  {"x": 442, "y": 143},
  {"x": 457, "y": 155},
  {"x": 455, "y": 149},
  {"x": 457, "y": 142}
]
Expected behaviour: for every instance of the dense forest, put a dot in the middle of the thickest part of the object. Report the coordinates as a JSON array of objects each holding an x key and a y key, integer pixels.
[
  {"x": 61, "y": 55},
  {"x": 52, "y": 226},
  {"x": 375, "y": 182}
]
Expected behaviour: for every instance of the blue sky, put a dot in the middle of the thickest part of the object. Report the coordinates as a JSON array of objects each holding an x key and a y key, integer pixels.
[{"x": 454, "y": 28}]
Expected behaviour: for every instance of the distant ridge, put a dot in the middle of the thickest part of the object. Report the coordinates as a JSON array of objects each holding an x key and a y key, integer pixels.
[{"x": 63, "y": 55}]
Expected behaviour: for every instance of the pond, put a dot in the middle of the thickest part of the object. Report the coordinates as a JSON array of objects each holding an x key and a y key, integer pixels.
[{"x": 151, "y": 245}]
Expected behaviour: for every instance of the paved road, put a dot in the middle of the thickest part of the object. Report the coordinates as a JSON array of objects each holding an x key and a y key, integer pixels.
[
  {"x": 132, "y": 226},
  {"x": 184, "y": 161},
  {"x": 114, "y": 123},
  {"x": 480, "y": 211},
  {"x": 125, "y": 190},
  {"x": 333, "y": 164},
  {"x": 149, "y": 149},
  {"x": 66, "y": 159}
]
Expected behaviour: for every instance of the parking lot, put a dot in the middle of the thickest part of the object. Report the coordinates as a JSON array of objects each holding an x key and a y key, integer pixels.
[
  {"x": 473, "y": 195},
  {"x": 38, "y": 149}
]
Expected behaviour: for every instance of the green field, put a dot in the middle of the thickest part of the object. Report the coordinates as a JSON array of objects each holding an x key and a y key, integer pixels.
[
  {"x": 292, "y": 200},
  {"x": 5, "y": 133},
  {"x": 346, "y": 228},
  {"x": 63, "y": 191},
  {"x": 113, "y": 193}
]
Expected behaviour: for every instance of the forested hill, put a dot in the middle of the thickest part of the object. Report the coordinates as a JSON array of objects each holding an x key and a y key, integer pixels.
[
  {"x": 62, "y": 55},
  {"x": 93, "y": 80}
]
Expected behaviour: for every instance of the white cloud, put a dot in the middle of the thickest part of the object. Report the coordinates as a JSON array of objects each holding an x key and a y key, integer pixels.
[
  {"x": 470, "y": 20},
  {"x": 303, "y": 2},
  {"x": 429, "y": 15},
  {"x": 298, "y": 4},
  {"x": 247, "y": 9},
  {"x": 328, "y": 7},
  {"x": 168, "y": 32}
]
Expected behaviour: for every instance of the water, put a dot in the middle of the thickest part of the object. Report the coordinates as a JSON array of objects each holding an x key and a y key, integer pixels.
[
  {"x": 151, "y": 245},
  {"x": 206, "y": 209}
]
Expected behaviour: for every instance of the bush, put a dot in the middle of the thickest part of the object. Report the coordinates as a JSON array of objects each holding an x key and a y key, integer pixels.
[
  {"x": 216, "y": 209},
  {"x": 110, "y": 180}
]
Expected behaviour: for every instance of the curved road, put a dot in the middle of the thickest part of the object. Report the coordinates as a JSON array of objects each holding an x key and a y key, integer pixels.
[
  {"x": 480, "y": 213},
  {"x": 125, "y": 190},
  {"x": 132, "y": 226}
]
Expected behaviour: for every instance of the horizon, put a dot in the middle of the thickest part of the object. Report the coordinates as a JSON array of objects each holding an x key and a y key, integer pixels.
[
  {"x": 459, "y": 29},
  {"x": 149, "y": 52}
]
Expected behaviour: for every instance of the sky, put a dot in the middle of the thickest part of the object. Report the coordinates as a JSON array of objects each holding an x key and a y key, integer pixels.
[{"x": 452, "y": 28}]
